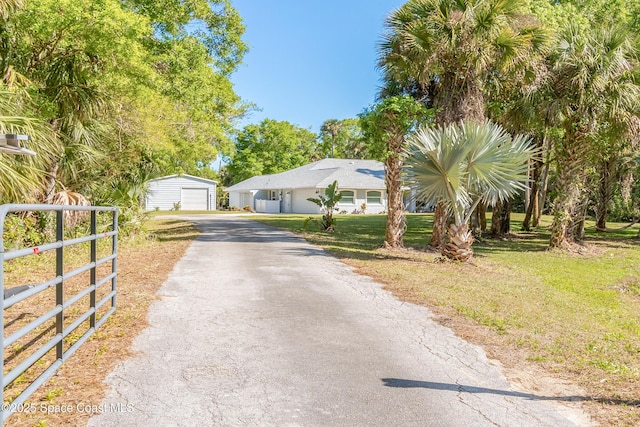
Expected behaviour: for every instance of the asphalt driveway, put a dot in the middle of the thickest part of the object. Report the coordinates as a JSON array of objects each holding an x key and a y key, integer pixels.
[{"x": 255, "y": 327}]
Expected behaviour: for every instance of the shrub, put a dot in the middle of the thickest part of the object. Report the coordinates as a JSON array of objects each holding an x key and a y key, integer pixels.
[{"x": 22, "y": 231}]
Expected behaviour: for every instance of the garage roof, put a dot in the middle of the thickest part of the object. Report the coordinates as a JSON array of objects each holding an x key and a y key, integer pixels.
[{"x": 195, "y": 178}]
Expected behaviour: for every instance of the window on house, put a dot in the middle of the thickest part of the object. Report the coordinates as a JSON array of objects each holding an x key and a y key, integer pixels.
[
  {"x": 347, "y": 197},
  {"x": 273, "y": 195},
  {"x": 374, "y": 197}
]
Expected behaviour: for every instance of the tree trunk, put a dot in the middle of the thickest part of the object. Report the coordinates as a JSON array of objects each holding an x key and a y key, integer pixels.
[
  {"x": 457, "y": 99},
  {"x": 568, "y": 185},
  {"x": 604, "y": 194},
  {"x": 458, "y": 247},
  {"x": 50, "y": 188},
  {"x": 578, "y": 218},
  {"x": 479, "y": 219},
  {"x": 532, "y": 206},
  {"x": 544, "y": 184},
  {"x": 393, "y": 180},
  {"x": 501, "y": 219},
  {"x": 440, "y": 219}
]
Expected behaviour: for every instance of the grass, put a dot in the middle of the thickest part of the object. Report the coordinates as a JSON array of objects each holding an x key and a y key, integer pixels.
[{"x": 574, "y": 315}]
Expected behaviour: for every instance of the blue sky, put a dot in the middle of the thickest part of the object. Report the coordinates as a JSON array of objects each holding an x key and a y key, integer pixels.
[{"x": 310, "y": 61}]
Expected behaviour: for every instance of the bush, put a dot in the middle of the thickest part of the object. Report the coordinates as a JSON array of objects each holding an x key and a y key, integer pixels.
[
  {"x": 621, "y": 211},
  {"x": 22, "y": 231}
]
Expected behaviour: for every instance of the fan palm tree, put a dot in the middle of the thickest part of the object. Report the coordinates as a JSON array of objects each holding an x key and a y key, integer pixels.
[
  {"x": 594, "y": 96},
  {"x": 463, "y": 165},
  {"x": 449, "y": 51}
]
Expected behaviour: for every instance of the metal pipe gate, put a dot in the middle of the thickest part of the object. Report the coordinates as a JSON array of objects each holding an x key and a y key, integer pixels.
[{"x": 57, "y": 315}]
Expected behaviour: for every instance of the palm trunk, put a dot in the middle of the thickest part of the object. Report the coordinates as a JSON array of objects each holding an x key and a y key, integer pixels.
[
  {"x": 393, "y": 181},
  {"x": 568, "y": 220},
  {"x": 457, "y": 99},
  {"x": 542, "y": 195},
  {"x": 458, "y": 247},
  {"x": 578, "y": 219},
  {"x": 541, "y": 200},
  {"x": 440, "y": 219},
  {"x": 50, "y": 188},
  {"x": 532, "y": 205},
  {"x": 479, "y": 219},
  {"x": 395, "y": 208},
  {"x": 501, "y": 219},
  {"x": 604, "y": 194},
  {"x": 568, "y": 186}
]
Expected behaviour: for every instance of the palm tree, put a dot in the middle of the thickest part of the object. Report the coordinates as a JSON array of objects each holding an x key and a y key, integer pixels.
[
  {"x": 448, "y": 51},
  {"x": 594, "y": 96},
  {"x": 463, "y": 165},
  {"x": 21, "y": 177},
  {"x": 453, "y": 49},
  {"x": 69, "y": 83},
  {"x": 331, "y": 129},
  {"x": 386, "y": 125}
]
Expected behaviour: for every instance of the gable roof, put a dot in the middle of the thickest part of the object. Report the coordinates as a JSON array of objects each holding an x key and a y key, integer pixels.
[
  {"x": 187, "y": 176},
  {"x": 355, "y": 174}
]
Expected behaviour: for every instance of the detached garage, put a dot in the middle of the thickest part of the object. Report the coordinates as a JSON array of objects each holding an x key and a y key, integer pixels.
[{"x": 189, "y": 192}]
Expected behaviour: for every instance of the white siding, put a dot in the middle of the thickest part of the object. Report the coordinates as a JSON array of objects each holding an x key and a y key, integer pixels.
[
  {"x": 300, "y": 204},
  {"x": 164, "y": 193},
  {"x": 234, "y": 198},
  {"x": 240, "y": 199}
]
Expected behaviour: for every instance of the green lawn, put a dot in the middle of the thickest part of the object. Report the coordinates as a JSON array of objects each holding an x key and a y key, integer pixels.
[{"x": 575, "y": 314}]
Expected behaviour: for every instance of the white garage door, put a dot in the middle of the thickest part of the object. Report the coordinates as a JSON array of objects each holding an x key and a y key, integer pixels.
[{"x": 194, "y": 199}]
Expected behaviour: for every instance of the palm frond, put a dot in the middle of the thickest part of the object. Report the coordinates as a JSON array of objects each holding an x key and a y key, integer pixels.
[
  {"x": 21, "y": 176},
  {"x": 460, "y": 164}
]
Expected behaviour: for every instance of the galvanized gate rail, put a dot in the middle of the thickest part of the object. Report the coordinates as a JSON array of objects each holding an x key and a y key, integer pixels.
[{"x": 23, "y": 292}]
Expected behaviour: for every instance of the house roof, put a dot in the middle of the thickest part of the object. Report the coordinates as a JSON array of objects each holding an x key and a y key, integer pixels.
[
  {"x": 187, "y": 176},
  {"x": 355, "y": 174}
]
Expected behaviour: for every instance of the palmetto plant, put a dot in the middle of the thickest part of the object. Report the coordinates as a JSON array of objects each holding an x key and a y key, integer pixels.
[{"x": 463, "y": 165}]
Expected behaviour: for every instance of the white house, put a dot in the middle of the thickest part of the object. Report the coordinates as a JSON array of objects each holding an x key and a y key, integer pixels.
[
  {"x": 361, "y": 182},
  {"x": 185, "y": 192}
]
